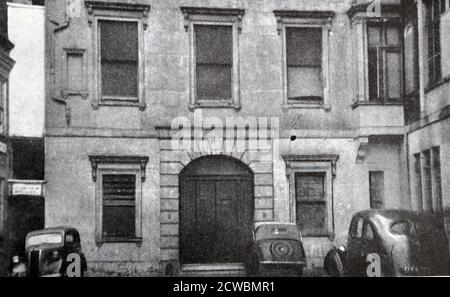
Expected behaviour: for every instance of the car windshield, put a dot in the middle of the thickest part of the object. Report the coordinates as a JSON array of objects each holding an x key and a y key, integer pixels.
[{"x": 48, "y": 238}]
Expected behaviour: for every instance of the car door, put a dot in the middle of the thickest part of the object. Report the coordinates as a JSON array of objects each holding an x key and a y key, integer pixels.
[
  {"x": 354, "y": 259},
  {"x": 369, "y": 246}
]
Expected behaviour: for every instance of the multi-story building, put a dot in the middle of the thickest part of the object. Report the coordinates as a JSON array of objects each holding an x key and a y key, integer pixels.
[
  {"x": 6, "y": 64},
  {"x": 173, "y": 126}
]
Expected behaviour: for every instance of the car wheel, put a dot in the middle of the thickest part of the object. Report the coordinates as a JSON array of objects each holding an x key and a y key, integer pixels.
[{"x": 333, "y": 264}]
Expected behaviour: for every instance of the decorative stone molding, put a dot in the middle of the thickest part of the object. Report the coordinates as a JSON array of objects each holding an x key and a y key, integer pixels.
[
  {"x": 303, "y": 16},
  {"x": 138, "y": 10},
  {"x": 116, "y": 160},
  {"x": 291, "y": 161},
  {"x": 363, "y": 144},
  {"x": 68, "y": 90},
  {"x": 205, "y": 14}
]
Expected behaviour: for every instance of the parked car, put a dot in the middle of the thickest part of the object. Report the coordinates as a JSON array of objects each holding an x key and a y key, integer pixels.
[
  {"x": 276, "y": 247},
  {"x": 47, "y": 252},
  {"x": 406, "y": 243}
]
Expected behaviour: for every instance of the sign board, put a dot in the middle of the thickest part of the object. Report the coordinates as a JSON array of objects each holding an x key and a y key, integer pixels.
[{"x": 28, "y": 189}]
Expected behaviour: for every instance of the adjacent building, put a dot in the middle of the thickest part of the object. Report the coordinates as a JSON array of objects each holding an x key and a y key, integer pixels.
[{"x": 173, "y": 126}]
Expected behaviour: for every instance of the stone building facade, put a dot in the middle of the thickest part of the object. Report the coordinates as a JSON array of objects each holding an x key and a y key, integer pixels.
[{"x": 172, "y": 126}]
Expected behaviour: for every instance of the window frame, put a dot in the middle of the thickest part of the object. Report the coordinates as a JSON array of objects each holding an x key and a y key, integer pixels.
[
  {"x": 194, "y": 16},
  {"x": 306, "y": 19},
  {"x": 430, "y": 21},
  {"x": 382, "y": 51},
  {"x": 118, "y": 165},
  {"x": 326, "y": 164},
  {"x": 117, "y": 12}
]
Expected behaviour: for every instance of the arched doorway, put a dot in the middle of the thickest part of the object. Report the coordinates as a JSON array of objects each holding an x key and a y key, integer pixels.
[{"x": 216, "y": 210}]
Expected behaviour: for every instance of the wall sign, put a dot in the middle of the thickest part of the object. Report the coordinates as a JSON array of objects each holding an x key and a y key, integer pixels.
[{"x": 28, "y": 189}]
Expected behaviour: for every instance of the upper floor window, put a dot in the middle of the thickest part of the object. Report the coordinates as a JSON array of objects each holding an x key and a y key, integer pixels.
[
  {"x": 214, "y": 62},
  {"x": 305, "y": 41},
  {"x": 304, "y": 64},
  {"x": 384, "y": 62},
  {"x": 119, "y": 60},
  {"x": 3, "y": 94},
  {"x": 119, "y": 49},
  {"x": 214, "y": 59},
  {"x": 433, "y": 23}
]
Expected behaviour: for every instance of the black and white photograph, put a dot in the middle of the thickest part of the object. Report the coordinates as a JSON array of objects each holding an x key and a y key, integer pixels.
[{"x": 239, "y": 140}]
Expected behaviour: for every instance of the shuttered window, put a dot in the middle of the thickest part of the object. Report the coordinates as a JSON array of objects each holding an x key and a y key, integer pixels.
[
  {"x": 304, "y": 64},
  {"x": 376, "y": 188},
  {"x": 384, "y": 62},
  {"x": 119, "y": 59},
  {"x": 311, "y": 203},
  {"x": 214, "y": 62},
  {"x": 119, "y": 205}
]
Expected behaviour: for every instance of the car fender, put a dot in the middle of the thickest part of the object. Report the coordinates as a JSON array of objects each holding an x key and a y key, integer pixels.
[{"x": 334, "y": 263}]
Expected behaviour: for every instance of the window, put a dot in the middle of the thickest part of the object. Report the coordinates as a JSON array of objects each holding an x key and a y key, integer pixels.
[
  {"x": 214, "y": 56},
  {"x": 118, "y": 181},
  {"x": 411, "y": 58},
  {"x": 214, "y": 62},
  {"x": 433, "y": 23},
  {"x": 119, "y": 60},
  {"x": 3, "y": 94},
  {"x": 436, "y": 178},
  {"x": 384, "y": 62},
  {"x": 310, "y": 191},
  {"x": 376, "y": 189},
  {"x": 404, "y": 228},
  {"x": 117, "y": 32},
  {"x": 428, "y": 187},
  {"x": 305, "y": 40},
  {"x": 304, "y": 64},
  {"x": 119, "y": 205},
  {"x": 368, "y": 233},
  {"x": 357, "y": 227},
  {"x": 311, "y": 203}
]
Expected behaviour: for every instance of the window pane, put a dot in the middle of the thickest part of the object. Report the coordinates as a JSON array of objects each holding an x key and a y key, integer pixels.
[
  {"x": 373, "y": 74},
  {"x": 428, "y": 191},
  {"x": 214, "y": 59},
  {"x": 119, "y": 187},
  {"x": 418, "y": 184},
  {"x": 119, "y": 58},
  {"x": 410, "y": 60},
  {"x": 311, "y": 217},
  {"x": 374, "y": 35},
  {"x": 214, "y": 82},
  {"x": 310, "y": 186},
  {"x": 304, "y": 46},
  {"x": 368, "y": 232},
  {"x": 119, "y": 221},
  {"x": 393, "y": 65},
  {"x": 392, "y": 36},
  {"x": 437, "y": 177},
  {"x": 214, "y": 44},
  {"x": 304, "y": 82},
  {"x": 376, "y": 189}
]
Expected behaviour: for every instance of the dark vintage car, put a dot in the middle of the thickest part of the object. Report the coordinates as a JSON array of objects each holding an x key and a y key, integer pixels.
[
  {"x": 404, "y": 242},
  {"x": 276, "y": 247},
  {"x": 50, "y": 251}
]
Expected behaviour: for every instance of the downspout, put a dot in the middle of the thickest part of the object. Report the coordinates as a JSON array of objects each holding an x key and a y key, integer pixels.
[{"x": 55, "y": 94}]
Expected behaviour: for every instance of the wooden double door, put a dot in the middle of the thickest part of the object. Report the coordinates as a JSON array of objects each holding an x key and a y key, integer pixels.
[{"x": 216, "y": 215}]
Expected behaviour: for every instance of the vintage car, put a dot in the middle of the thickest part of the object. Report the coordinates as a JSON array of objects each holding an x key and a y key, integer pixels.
[
  {"x": 405, "y": 243},
  {"x": 276, "y": 247},
  {"x": 50, "y": 251}
]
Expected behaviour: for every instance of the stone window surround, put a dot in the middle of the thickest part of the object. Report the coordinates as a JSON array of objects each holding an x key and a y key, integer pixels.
[
  {"x": 121, "y": 12},
  {"x": 118, "y": 165},
  {"x": 307, "y": 19},
  {"x": 312, "y": 163},
  {"x": 359, "y": 22},
  {"x": 213, "y": 16}
]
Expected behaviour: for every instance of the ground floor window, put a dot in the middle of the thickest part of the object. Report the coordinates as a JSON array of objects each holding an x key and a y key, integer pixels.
[
  {"x": 118, "y": 181},
  {"x": 376, "y": 189},
  {"x": 311, "y": 193},
  {"x": 428, "y": 188}
]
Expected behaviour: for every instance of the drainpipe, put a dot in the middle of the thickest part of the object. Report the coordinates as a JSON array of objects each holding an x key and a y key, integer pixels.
[
  {"x": 55, "y": 94},
  {"x": 421, "y": 29}
]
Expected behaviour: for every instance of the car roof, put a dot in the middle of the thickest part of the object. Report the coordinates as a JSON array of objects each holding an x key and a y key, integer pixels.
[
  {"x": 393, "y": 214},
  {"x": 61, "y": 229}
]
